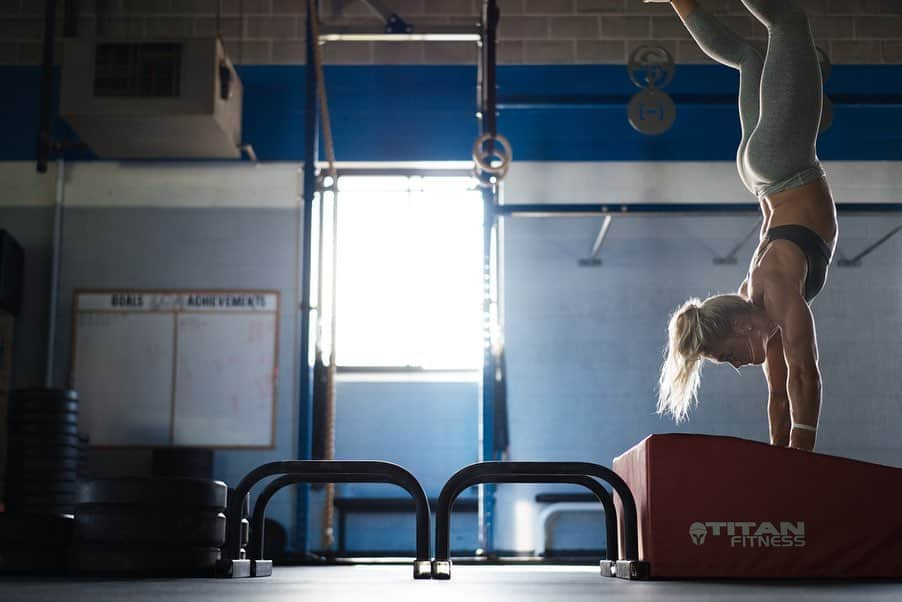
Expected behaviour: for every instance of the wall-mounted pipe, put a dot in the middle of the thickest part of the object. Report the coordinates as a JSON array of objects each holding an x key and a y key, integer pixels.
[
  {"x": 56, "y": 253},
  {"x": 305, "y": 394}
]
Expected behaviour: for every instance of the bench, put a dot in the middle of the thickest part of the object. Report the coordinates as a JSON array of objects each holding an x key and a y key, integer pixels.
[{"x": 384, "y": 505}]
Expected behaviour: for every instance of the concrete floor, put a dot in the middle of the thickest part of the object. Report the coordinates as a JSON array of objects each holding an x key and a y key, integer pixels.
[{"x": 469, "y": 584}]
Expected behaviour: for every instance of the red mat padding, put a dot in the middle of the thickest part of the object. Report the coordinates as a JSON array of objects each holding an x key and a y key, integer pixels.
[{"x": 726, "y": 507}]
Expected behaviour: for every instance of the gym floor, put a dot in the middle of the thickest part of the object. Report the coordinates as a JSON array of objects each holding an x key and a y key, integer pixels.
[{"x": 394, "y": 582}]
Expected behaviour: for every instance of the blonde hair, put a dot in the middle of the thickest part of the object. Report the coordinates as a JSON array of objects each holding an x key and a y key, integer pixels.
[{"x": 691, "y": 331}]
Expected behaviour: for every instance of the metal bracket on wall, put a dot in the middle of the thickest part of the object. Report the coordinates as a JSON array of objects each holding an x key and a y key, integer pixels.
[
  {"x": 730, "y": 258},
  {"x": 855, "y": 262},
  {"x": 393, "y": 23},
  {"x": 248, "y": 150},
  {"x": 594, "y": 258},
  {"x": 396, "y": 29}
]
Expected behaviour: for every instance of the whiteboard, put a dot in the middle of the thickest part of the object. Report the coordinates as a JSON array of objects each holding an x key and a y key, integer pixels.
[
  {"x": 188, "y": 368},
  {"x": 224, "y": 379},
  {"x": 124, "y": 377}
]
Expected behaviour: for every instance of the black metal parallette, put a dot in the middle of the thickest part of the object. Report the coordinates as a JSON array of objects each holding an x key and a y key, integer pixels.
[
  {"x": 625, "y": 569},
  {"x": 528, "y": 472},
  {"x": 234, "y": 568},
  {"x": 256, "y": 545},
  {"x": 261, "y": 568},
  {"x": 311, "y": 471}
]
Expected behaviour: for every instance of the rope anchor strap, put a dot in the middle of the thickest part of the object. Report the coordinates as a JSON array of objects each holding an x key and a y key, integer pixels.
[{"x": 321, "y": 90}]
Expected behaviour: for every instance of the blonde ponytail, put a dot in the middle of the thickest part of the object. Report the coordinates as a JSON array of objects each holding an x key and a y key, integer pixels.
[{"x": 691, "y": 330}]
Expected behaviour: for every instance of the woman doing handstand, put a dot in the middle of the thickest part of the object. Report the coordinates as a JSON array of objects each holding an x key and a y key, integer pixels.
[{"x": 768, "y": 322}]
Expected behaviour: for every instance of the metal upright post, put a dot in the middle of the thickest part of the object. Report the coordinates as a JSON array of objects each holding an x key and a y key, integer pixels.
[
  {"x": 45, "y": 131},
  {"x": 305, "y": 394},
  {"x": 488, "y": 125}
]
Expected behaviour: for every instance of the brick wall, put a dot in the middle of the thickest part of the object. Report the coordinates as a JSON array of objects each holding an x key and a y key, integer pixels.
[{"x": 531, "y": 31}]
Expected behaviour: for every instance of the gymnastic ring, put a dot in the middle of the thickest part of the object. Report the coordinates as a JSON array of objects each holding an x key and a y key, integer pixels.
[{"x": 481, "y": 157}]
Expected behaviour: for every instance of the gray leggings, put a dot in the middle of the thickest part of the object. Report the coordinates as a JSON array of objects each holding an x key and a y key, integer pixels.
[{"x": 780, "y": 95}]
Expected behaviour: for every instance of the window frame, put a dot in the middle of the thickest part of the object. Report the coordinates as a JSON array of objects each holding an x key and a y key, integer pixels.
[{"x": 409, "y": 373}]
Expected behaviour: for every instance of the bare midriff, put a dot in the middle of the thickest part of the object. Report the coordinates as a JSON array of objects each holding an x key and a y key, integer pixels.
[{"x": 810, "y": 205}]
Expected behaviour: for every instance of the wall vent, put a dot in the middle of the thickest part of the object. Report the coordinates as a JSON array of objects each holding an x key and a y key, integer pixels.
[{"x": 152, "y": 100}]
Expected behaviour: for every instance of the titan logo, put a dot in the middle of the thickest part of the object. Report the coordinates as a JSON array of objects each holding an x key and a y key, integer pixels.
[{"x": 751, "y": 534}]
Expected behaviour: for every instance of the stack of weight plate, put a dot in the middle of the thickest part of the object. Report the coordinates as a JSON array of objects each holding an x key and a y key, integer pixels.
[
  {"x": 190, "y": 462},
  {"x": 84, "y": 441},
  {"x": 42, "y": 469},
  {"x": 159, "y": 526},
  {"x": 34, "y": 543},
  {"x": 41, "y": 473}
]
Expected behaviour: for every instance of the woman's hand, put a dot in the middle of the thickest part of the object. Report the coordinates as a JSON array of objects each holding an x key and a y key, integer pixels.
[{"x": 779, "y": 420}]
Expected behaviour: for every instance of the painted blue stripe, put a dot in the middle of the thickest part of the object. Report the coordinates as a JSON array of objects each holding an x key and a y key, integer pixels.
[
  {"x": 427, "y": 113},
  {"x": 19, "y": 113}
]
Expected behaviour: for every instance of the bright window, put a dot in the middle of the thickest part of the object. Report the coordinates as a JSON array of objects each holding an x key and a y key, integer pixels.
[{"x": 409, "y": 277}]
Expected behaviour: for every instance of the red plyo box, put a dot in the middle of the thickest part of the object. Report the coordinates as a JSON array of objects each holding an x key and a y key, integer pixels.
[{"x": 711, "y": 506}]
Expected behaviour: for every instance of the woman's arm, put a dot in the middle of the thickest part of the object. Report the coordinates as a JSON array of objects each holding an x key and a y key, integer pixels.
[
  {"x": 804, "y": 377},
  {"x": 784, "y": 304},
  {"x": 778, "y": 399}
]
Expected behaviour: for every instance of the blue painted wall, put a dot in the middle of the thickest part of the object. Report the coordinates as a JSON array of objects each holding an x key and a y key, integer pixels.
[{"x": 419, "y": 113}]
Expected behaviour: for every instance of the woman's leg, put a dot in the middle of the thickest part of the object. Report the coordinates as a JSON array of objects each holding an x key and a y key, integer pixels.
[
  {"x": 784, "y": 143},
  {"x": 727, "y": 48}
]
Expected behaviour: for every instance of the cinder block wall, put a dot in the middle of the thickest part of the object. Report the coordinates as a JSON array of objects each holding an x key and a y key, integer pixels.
[{"x": 532, "y": 31}]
